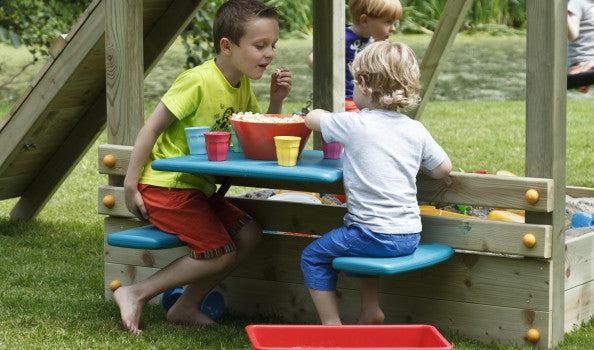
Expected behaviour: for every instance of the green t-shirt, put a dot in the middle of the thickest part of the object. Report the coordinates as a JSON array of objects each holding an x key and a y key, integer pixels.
[{"x": 200, "y": 96}]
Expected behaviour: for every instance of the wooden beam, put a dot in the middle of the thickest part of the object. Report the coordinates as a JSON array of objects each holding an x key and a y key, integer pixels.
[
  {"x": 329, "y": 57},
  {"x": 546, "y": 97},
  {"x": 124, "y": 69},
  {"x": 61, "y": 163},
  {"x": 449, "y": 24}
]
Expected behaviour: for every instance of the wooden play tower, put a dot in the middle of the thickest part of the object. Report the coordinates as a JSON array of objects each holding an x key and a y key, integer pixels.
[{"x": 495, "y": 289}]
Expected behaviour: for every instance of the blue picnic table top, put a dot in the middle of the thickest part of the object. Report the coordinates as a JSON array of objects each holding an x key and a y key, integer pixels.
[{"x": 311, "y": 167}]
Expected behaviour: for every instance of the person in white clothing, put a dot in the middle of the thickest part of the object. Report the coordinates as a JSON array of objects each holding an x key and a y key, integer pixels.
[
  {"x": 580, "y": 35},
  {"x": 383, "y": 152}
]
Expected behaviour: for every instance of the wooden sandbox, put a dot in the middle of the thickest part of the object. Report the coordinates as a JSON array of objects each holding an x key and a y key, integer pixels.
[{"x": 495, "y": 288}]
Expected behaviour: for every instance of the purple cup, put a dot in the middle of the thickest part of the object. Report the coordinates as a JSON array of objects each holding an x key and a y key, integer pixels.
[{"x": 332, "y": 150}]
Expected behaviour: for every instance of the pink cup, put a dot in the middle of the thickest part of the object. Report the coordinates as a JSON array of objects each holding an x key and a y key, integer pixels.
[
  {"x": 217, "y": 145},
  {"x": 332, "y": 150}
]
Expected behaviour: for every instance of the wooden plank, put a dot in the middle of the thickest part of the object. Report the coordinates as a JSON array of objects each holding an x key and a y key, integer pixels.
[
  {"x": 57, "y": 46},
  {"x": 579, "y": 260},
  {"x": 546, "y": 96},
  {"x": 481, "y": 279},
  {"x": 459, "y": 233},
  {"x": 122, "y": 159},
  {"x": 579, "y": 192},
  {"x": 487, "y": 235},
  {"x": 15, "y": 107},
  {"x": 119, "y": 208},
  {"x": 62, "y": 162},
  {"x": 127, "y": 274},
  {"x": 46, "y": 137},
  {"x": 487, "y": 190},
  {"x": 486, "y": 323},
  {"x": 449, "y": 24},
  {"x": 82, "y": 19},
  {"x": 158, "y": 258},
  {"x": 579, "y": 306},
  {"x": 11, "y": 186},
  {"x": 124, "y": 70}
]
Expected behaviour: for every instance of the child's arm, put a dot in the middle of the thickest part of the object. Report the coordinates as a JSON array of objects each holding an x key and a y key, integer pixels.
[
  {"x": 442, "y": 170},
  {"x": 573, "y": 26},
  {"x": 280, "y": 86},
  {"x": 312, "y": 119},
  {"x": 158, "y": 121}
]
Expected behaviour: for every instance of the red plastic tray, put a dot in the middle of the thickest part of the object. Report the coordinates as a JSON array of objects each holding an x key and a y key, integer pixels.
[{"x": 411, "y": 337}]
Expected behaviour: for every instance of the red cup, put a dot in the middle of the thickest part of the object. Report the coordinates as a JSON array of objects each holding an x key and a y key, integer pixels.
[
  {"x": 217, "y": 145},
  {"x": 332, "y": 150}
]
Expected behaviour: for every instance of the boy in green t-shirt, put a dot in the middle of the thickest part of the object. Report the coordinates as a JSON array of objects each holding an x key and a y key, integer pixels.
[{"x": 218, "y": 234}]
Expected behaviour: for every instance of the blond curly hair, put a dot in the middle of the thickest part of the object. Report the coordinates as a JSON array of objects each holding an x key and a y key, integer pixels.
[{"x": 391, "y": 73}]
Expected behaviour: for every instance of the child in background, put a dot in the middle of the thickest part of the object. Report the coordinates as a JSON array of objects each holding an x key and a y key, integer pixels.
[
  {"x": 218, "y": 234},
  {"x": 383, "y": 152},
  {"x": 372, "y": 20},
  {"x": 580, "y": 33}
]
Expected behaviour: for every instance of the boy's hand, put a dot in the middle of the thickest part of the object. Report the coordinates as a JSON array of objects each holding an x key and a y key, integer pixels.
[
  {"x": 280, "y": 84},
  {"x": 134, "y": 202}
]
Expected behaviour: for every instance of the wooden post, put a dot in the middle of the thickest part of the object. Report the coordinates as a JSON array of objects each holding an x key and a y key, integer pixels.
[
  {"x": 329, "y": 64},
  {"x": 546, "y": 98},
  {"x": 449, "y": 24},
  {"x": 124, "y": 70}
]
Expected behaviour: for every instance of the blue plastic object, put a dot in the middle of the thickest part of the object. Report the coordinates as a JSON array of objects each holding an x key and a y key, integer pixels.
[
  {"x": 145, "y": 237},
  {"x": 212, "y": 305},
  {"x": 427, "y": 254},
  {"x": 311, "y": 167},
  {"x": 582, "y": 220},
  {"x": 170, "y": 297}
]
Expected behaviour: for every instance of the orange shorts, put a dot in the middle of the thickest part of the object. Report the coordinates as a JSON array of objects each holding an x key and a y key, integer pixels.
[
  {"x": 207, "y": 225},
  {"x": 350, "y": 106}
]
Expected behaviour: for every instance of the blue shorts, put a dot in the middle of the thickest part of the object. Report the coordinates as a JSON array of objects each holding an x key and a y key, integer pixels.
[{"x": 355, "y": 240}]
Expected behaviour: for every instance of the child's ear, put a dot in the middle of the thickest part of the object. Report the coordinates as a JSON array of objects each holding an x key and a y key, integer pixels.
[
  {"x": 363, "y": 19},
  {"x": 362, "y": 82},
  {"x": 225, "y": 45}
]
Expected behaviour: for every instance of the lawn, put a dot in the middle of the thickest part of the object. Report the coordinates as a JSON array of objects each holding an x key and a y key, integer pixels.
[{"x": 51, "y": 268}]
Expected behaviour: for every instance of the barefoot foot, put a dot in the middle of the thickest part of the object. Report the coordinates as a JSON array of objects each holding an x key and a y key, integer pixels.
[
  {"x": 371, "y": 316},
  {"x": 130, "y": 309},
  {"x": 191, "y": 315}
]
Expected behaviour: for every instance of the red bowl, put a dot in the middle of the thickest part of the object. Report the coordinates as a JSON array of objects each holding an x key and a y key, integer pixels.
[{"x": 257, "y": 138}]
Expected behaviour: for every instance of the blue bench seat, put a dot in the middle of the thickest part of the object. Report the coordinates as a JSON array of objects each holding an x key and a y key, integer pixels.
[
  {"x": 145, "y": 237},
  {"x": 427, "y": 254}
]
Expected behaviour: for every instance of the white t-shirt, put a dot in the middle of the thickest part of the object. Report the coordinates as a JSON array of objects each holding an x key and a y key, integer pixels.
[
  {"x": 582, "y": 48},
  {"x": 383, "y": 151}
]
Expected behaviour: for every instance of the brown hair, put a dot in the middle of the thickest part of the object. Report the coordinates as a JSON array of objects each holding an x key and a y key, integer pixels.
[
  {"x": 233, "y": 15},
  {"x": 384, "y": 9},
  {"x": 391, "y": 72}
]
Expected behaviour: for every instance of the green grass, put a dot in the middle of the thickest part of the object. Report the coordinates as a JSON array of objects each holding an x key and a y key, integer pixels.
[{"x": 51, "y": 268}]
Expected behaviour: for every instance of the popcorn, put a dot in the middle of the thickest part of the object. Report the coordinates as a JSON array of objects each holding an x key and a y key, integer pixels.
[{"x": 262, "y": 118}]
